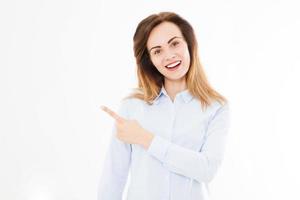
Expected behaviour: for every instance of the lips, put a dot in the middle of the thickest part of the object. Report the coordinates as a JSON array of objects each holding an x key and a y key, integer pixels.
[{"x": 173, "y": 64}]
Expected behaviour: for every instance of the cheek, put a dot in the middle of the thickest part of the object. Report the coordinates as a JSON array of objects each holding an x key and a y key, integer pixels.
[
  {"x": 156, "y": 62},
  {"x": 185, "y": 52},
  {"x": 186, "y": 55}
]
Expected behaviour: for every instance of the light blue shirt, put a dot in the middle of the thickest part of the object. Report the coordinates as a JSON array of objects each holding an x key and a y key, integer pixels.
[{"x": 184, "y": 155}]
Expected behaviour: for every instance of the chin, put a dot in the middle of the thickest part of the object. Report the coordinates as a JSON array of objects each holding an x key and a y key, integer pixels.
[{"x": 175, "y": 78}]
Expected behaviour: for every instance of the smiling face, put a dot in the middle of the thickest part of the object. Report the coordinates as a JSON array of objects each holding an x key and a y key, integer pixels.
[{"x": 168, "y": 51}]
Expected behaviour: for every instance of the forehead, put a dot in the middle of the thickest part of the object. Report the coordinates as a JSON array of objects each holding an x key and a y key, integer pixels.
[{"x": 162, "y": 33}]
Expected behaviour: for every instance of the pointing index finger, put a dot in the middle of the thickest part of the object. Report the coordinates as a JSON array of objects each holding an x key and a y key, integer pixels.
[{"x": 112, "y": 114}]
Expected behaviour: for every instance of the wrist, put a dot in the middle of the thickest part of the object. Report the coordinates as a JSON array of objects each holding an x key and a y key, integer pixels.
[{"x": 147, "y": 139}]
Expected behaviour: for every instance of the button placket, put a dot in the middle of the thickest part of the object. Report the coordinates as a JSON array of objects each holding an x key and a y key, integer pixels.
[
  {"x": 172, "y": 123},
  {"x": 172, "y": 118},
  {"x": 167, "y": 196},
  {"x": 173, "y": 112}
]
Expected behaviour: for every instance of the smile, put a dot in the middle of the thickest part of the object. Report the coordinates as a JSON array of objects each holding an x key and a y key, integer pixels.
[{"x": 173, "y": 66}]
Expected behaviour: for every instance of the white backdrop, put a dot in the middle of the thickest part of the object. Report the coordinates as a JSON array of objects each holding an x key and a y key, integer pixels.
[{"x": 61, "y": 60}]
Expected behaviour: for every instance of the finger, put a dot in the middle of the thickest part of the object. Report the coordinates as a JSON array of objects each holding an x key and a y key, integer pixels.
[{"x": 112, "y": 114}]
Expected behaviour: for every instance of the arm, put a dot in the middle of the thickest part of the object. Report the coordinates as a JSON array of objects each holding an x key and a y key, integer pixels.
[
  {"x": 116, "y": 166},
  {"x": 201, "y": 165}
]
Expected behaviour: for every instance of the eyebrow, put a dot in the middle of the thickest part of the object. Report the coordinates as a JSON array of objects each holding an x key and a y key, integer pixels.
[{"x": 168, "y": 43}]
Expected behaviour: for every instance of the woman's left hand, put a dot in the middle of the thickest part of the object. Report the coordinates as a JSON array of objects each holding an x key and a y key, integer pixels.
[{"x": 130, "y": 131}]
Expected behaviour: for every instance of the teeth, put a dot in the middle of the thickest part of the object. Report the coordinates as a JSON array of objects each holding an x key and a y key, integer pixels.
[{"x": 173, "y": 65}]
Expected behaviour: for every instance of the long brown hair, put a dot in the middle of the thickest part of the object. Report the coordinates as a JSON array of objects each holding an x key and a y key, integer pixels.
[{"x": 150, "y": 80}]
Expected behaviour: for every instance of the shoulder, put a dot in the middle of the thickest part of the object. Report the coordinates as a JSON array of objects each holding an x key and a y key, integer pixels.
[
  {"x": 129, "y": 106},
  {"x": 216, "y": 105},
  {"x": 131, "y": 103},
  {"x": 217, "y": 108}
]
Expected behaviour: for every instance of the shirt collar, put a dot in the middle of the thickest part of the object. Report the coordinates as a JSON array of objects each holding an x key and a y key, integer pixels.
[
  {"x": 185, "y": 95},
  {"x": 161, "y": 93}
]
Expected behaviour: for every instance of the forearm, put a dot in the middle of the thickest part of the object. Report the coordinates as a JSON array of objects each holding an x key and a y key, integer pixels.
[{"x": 200, "y": 164}]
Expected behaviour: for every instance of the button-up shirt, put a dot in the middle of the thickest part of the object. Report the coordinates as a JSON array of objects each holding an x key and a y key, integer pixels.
[{"x": 184, "y": 155}]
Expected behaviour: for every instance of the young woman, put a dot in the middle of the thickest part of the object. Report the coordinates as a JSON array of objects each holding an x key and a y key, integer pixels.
[{"x": 170, "y": 134}]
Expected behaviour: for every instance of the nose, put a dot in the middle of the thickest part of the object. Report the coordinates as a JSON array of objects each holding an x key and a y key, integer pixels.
[{"x": 170, "y": 55}]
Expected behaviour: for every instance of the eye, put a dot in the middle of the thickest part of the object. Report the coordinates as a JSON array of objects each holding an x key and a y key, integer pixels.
[
  {"x": 156, "y": 52},
  {"x": 175, "y": 43}
]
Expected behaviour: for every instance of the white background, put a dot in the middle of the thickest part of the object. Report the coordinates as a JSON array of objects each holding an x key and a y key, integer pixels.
[{"x": 61, "y": 60}]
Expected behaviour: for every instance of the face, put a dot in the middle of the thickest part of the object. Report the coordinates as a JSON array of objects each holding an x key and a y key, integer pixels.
[{"x": 168, "y": 51}]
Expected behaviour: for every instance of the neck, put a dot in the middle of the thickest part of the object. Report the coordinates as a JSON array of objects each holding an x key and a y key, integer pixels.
[{"x": 174, "y": 86}]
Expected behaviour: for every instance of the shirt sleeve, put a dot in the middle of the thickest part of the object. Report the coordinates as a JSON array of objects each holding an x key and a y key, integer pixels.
[
  {"x": 198, "y": 165},
  {"x": 116, "y": 165}
]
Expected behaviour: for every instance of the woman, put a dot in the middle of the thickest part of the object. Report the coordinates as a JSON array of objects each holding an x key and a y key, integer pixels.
[{"x": 171, "y": 132}]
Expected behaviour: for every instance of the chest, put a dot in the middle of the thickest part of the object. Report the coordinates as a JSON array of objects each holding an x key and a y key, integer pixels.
[{"x": 182, "y": 124}]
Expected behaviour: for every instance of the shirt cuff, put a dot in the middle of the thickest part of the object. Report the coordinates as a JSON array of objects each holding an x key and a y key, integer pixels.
[{"x": 159, "y": 147}]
